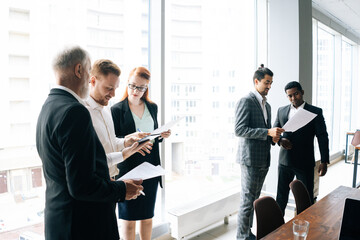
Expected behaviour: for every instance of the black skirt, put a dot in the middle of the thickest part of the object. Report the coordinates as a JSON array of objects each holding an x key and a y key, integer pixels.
[{"x": 143, "y": 206}]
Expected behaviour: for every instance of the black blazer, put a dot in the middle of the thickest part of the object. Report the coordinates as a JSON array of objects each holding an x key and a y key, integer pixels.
[
  {"x": 302, "y": 153},
  {"x": 124, "y": 124},
  {"x": 80, "y": 198}
]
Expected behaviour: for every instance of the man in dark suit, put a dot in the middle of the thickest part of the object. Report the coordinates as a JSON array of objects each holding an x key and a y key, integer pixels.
[
  {"x": 297, "y": 148},
  {"x": 253, "y": 126},
  {"x": 80, "y": 196}
]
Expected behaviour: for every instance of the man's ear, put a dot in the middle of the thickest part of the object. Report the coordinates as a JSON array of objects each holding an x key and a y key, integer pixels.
[
  {"x": 78, "y": 70},
  {"x": 92, "y": 81},
  {"x": 302, "y": 92}
]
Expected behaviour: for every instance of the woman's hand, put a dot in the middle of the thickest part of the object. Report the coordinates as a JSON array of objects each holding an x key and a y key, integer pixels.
[
  {"x": 166, "y": 134},
  {"x": 134, "y": 137}
]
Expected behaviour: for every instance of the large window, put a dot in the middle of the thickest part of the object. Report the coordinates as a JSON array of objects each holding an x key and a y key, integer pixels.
[
  {"x": 326, "y": 77},
  {"x": 346, "y": 88},
  {"x": 333, "y": 80},
  {"x": 209, "y": 56},
  {"x": 31, "y": 32}
]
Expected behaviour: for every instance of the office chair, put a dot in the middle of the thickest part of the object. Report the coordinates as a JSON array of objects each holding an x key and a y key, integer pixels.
[
  {"x": 301, "y": 195},
  {"x": 268, "y": 216}
]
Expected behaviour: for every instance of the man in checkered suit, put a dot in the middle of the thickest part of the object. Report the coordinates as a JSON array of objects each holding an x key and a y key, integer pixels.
[{"x": 253, "y": 127}]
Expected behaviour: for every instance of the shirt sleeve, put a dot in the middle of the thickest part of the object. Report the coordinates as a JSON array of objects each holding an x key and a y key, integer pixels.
[
  {"x": 114, "y": 158},
  {"x": 120, "y": 143}
]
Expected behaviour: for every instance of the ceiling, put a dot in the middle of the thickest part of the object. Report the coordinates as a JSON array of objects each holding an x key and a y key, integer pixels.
[{"x": 346, "y": 12}]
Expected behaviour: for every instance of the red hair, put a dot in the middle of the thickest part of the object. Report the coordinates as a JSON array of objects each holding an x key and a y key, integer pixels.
[{"x": 142, "y": 72}]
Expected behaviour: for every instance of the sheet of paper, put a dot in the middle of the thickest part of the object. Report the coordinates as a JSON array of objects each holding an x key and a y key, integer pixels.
[
  {"x": 300, "y": 119},
  {"x": 144, "y": 171},
  {"x": 166, "y": 126}
]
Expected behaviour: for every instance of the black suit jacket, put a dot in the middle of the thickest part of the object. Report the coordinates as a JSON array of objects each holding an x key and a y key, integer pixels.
[
  {"x": 80, "y": 198},
  {"x": 124, "y": 124},
  {"x": 302, "y": 153}
]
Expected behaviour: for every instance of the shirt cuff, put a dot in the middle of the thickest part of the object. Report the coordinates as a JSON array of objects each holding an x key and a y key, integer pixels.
[
  {"x": 114, "y": 158},
  {"x": 120, "y": 143}
]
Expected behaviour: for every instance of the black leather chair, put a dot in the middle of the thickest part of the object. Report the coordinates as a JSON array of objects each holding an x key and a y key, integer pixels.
[
  {"x": 301, "y": 195},
  {"x": 268, "y": 216}
]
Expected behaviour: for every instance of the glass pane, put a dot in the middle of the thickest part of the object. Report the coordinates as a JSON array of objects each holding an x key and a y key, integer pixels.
[
  {"x": 33, "y": 33},
  {"x": 209, "y": 55},
  {"x": 346, "y": 80},
  {"x": 325, "y": 78}
]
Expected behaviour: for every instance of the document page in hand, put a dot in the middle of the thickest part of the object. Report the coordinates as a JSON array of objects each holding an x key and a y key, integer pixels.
[
  {"x": 144, "y": 171},
  {"x": 300, "y": 119}
]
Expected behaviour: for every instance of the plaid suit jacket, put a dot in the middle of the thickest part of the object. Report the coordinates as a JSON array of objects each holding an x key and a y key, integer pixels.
[{"x": 251, "y": 128}]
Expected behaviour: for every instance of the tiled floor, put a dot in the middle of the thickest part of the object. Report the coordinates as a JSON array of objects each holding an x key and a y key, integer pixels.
[{"x": 338, "y": 174}]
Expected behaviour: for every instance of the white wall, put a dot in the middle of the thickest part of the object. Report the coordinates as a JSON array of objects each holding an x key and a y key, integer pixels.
[{"x": 289, "y": 58}]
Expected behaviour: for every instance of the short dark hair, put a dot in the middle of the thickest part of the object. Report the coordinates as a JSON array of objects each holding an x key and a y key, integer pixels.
[
  {"x": 261, "y": 72},
  {"x": 293, "y": 84}
]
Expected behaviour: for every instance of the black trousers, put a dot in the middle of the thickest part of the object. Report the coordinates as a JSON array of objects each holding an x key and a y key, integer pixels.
[{"x": 286, "y": 176}]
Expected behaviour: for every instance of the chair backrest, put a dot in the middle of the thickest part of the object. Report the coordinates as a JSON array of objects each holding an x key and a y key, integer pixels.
[
  {"x": 301, "y": 195},
  {"x": 356, "y": 139},
  {"x": 268, "y": 216}
]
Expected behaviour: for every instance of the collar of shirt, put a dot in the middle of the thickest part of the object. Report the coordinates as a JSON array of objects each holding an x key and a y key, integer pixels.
[
  {"x": 293, "y": 108},
  {"x": 71, "y": 92},
  {"x": 259, "y": 97},
  {"x": 93, "y": 104}
]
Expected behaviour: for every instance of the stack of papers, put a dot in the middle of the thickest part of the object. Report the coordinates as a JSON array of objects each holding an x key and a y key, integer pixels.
[{"x": 144, "y": 171}]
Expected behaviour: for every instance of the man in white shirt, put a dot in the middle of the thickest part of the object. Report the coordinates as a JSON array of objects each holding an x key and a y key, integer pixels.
[{"x": 104, "y": 81}]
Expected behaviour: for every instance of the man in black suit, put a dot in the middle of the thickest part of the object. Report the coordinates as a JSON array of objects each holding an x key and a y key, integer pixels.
[
  {"x": 297, "y": 148},
  {"x": 80, "y": 196}
]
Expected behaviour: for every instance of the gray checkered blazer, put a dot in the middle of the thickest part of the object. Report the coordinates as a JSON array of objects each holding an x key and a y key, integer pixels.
[{"x": 251, "y": 128}]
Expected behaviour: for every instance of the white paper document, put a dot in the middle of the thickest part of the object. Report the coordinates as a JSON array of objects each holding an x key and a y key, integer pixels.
[
  {"x": 300, "y": 119},
  {"x": 166, "y": 126},
  {"x": 156, "y": 133},
  {"x": 144, "y": 171}
]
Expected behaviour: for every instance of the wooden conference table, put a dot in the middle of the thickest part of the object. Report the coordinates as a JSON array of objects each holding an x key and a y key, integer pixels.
[{"x": 324, "y": 217}]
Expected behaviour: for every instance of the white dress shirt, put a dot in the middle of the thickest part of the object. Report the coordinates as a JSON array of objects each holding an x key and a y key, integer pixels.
[
  {"x": 104, "y": 127},
  {"x": 262, "y": 101},
  {"x": 293, "y": 110}
]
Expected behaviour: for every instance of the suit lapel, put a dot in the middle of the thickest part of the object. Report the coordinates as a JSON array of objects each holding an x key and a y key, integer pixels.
[
  {"x": 307, "y": 107},
  {"x": 152, "y": 113},
  {"x": 130, "y": 126},
  {"x": 268, "y": 111},
  {"x": 285, "y": 114},
  {"x": 260, "y": 108}
]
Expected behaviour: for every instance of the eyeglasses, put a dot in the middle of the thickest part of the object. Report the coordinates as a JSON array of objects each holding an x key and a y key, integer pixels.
[{"x": 134, "y": 87}]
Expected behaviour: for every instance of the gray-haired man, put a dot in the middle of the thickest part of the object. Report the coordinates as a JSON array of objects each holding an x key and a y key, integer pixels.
[{"x": 80, "y": 196}]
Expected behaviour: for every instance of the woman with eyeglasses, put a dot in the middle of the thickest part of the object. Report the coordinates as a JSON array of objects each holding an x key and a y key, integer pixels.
[{"x": 136, "y": 112}]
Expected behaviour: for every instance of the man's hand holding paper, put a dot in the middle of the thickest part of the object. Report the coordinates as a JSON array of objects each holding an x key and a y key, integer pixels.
[{"x": 133, "y": 188}]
